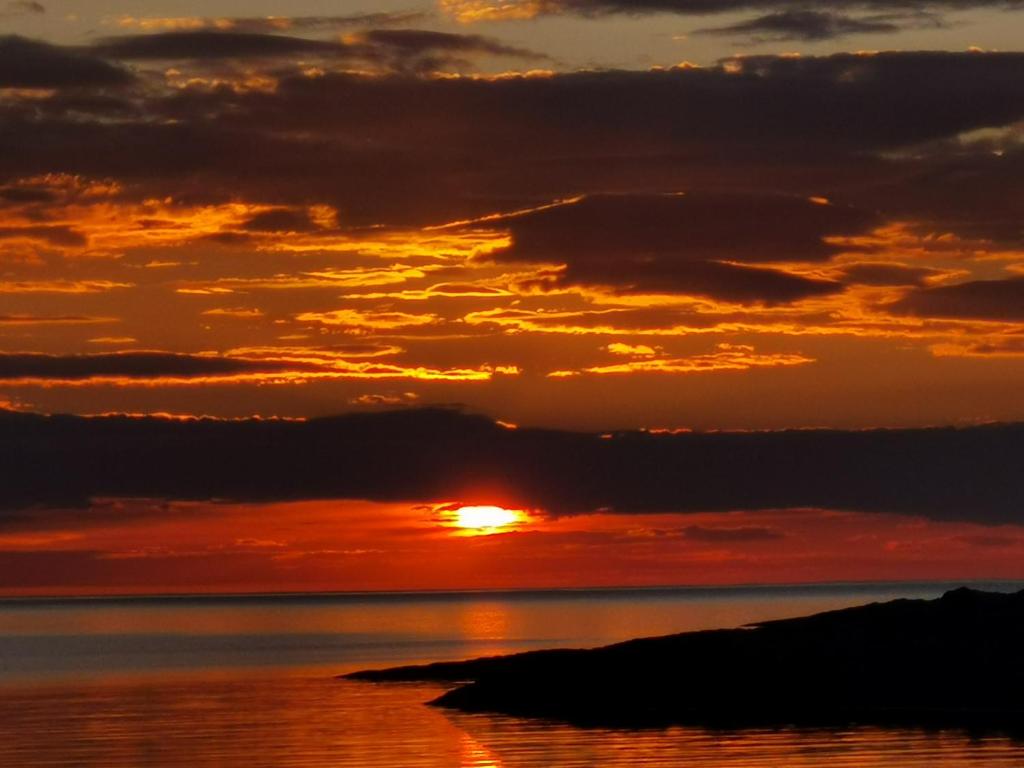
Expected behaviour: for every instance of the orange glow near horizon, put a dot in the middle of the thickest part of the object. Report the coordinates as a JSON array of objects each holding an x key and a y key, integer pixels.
[{"x": 373, "y": 546}]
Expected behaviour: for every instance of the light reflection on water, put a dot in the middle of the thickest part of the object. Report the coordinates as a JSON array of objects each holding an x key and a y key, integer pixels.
[
  {"x": 245, "y": 683},
  {"x": 318, "y": 722}
]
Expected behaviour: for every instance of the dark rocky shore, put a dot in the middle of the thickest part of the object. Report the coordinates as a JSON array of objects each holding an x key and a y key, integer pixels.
[{"x": 957, "y": 661}]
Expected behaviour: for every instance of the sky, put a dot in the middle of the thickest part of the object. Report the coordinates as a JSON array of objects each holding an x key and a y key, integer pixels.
[{"x": 639, "y": 224}]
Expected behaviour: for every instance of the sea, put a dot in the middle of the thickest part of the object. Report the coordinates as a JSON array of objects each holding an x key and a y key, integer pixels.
[{"x": 252, "y": 681}]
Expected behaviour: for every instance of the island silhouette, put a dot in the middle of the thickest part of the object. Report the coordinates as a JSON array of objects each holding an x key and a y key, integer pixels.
[{"x": 955, "y": 661}]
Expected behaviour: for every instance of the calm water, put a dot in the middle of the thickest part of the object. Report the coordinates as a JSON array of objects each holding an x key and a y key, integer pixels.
[{"x": 249, "y": 682}]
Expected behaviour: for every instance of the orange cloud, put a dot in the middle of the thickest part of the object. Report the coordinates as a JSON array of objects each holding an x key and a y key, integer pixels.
[
  {"x": 256, "y": 365},
  {"x": 357, "y": 320},
  {"x": 341, "y": 372},
  {"x": 113, "y": 340},
  {"x": 637, "y": 350},
  {"x": 471, "y": 11},
  {"x": 442, "y": 290},
  {"x": 728, "y": 358},
  {"x": 240, "y": 313},
  {"x": 327, "y": 278},
  {"x": 61, "y": 286},
  {"x": 55, "y": 320},
  {"x": 377, "y": 399}
]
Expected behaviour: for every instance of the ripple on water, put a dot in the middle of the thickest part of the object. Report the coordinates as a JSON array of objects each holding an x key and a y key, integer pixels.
[{"x": 319, "y": 722}]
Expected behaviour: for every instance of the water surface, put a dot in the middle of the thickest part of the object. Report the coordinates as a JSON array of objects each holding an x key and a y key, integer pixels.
[{"x": 250, "y": 681}]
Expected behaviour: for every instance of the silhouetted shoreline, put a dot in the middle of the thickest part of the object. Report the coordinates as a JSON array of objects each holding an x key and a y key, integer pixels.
[{"x": 957, "y": 661}]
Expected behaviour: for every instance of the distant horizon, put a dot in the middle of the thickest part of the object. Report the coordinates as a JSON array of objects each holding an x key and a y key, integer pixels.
[{"x": 867, "y": 585}]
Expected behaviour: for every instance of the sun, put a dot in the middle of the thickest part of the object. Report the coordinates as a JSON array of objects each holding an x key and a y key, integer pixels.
[{"x": 486, "y": 519}]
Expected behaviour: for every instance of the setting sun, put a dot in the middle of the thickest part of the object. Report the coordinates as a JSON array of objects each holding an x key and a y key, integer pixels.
[{"x": 486, "y": 519}]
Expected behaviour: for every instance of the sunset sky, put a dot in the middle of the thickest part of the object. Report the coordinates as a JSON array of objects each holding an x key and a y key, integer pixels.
[{"x": 618, "y": 230}]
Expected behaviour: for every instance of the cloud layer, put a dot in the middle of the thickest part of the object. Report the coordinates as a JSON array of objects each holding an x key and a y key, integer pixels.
[
  {"x": 944, "y": 474},
  {"x": 761, "y": 221}
]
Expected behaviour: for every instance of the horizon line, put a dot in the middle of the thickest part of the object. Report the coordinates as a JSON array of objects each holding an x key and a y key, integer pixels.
[{"x": 510, "y": 591}]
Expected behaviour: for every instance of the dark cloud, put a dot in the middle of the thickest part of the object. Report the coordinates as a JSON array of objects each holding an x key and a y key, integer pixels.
[
  {"x": 696, "y": 226},
  {"x": 124, "y": 364},
  {"x": 27, "y": 194},
  {"x": 1009, "y": 346},
  {"x": 804, "y": 24},
  {"x": 396, "y": 50},
  {"x": 57, "y": 234},
  {"x": 967, "y": 186},
  {"x": 416, "y": 50},
  {"x": 977, "y": 299},
  {"x": 281, "y": 220},
  {"x": 880, "y": 273},
  {"x": 419, "y": 40},
  {"x": 728, "y": 282},
  {"x": 101, "y": 513},
  {"x": 28, "y": 63},
  {"x": 277, "y": 24},
  {"x": 686, "y": 243},
  {"x": 211, "y": 44},
  {"x": 422, "y": 455},
  {"x": 707, "y": 7},
  {"x": 403, "y": 149},
  {"x": 22, "y": 7}
]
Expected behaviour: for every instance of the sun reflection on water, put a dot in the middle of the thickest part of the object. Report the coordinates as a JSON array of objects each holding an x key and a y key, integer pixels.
[{"x": 475, "y": 755}]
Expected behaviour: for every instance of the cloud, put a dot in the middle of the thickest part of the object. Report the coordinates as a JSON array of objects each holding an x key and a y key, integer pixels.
[
  {"x": 415, "y": 50},
  {"x": 454, "y": 147},
  {"x": 61, "y": 286},
  {"x": 400, "y": 186},
  {"x": 698, "y": 243},
  {"x": 396, "y": 50},
  {"x": 358, "y": 320},
  {"x": 440, "y": 290},
  {"x": 635, "y": 350},
  {"x": 273, "y": 24},
  {"x": 468, "y": 11},
  {"x": 25, "y": 319},
  {"x": 970, "y": 473},
  {"x": 977, "y": 299},
  {"x": 987, "y": 347},
  {"x": 114, "y": 340},
  {"x": 22, "y": 8},
  {"x": 280, "y": 220},
  {"x": 211, "y": 44},
  {"x": 59, "y": 235},
  {"x": 124, "y": 364},
  {"x": 882, "y": 273},
  {"x": 388, "y": 400},
  {"x": 28, "y": 63},
  {"x": 240, "y": 313},
  {"x": 727, "y": 357},
  {"x": 809, "y": 25},
  {"x": 255, "y": 365}
]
